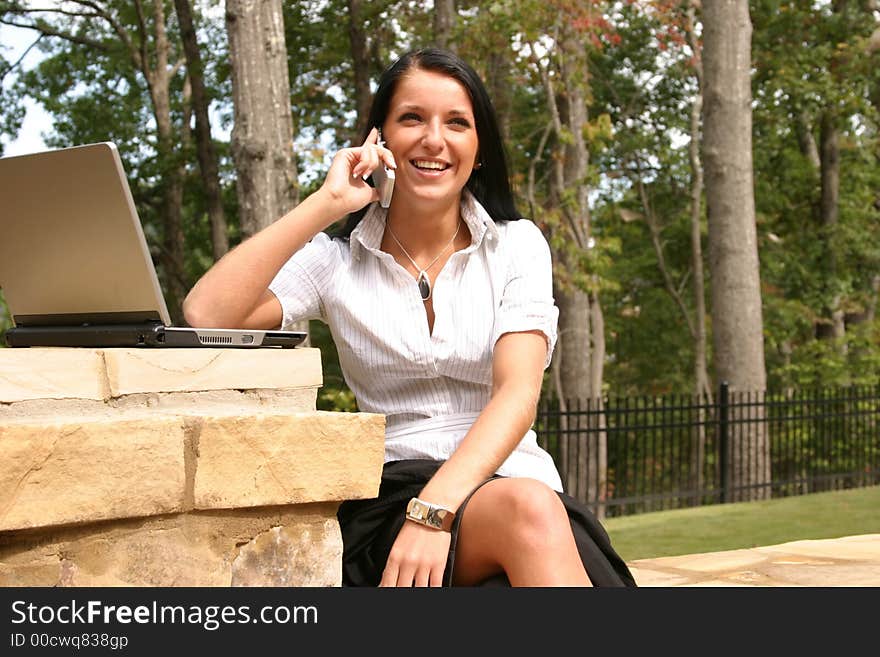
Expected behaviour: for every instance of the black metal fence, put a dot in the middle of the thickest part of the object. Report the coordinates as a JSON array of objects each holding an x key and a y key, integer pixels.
[{"x": 637, "y": 454}]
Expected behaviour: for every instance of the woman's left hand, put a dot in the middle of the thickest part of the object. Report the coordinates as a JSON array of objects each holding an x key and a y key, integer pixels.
[{"x": 417, "y": 558}]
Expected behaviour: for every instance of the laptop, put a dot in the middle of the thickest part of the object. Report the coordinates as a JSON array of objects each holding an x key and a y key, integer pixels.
[{"x": 75, "y": 269}]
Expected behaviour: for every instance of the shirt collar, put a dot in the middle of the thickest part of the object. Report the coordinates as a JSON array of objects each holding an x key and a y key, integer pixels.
[{"x": 369, "y": 231}]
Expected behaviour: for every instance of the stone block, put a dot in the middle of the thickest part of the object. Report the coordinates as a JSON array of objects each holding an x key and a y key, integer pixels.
[
  {"x": 52, "y": 373},
  {"x": 70, "y": 471},
  {"x": 183, "y": 370},
  {"x": 288, "y": 459}
]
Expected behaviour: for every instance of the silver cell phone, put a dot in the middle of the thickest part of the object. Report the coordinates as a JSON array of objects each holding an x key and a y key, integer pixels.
[{"x": 383, "y": 179}]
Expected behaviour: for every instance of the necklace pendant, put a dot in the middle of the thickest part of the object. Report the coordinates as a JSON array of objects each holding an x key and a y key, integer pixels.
[{"x": 424, "y": 285}]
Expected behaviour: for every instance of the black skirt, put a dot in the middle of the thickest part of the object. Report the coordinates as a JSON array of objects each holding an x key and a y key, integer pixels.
[{"x": 369, "y": 528}]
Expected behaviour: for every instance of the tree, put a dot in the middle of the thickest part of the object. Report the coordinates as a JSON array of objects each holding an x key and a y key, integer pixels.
[
  {"x": 557, "y": 57},
  {"x": 444, "y": 23},
  {"x": 11, "y": 108},
  {"x": 702, "y": 386},
  {"x": 733, "y": 251},
  {"x": 207, "y": 155},
  {"x": 360, "y": 63},
  {"x": 262, "y": 136}
]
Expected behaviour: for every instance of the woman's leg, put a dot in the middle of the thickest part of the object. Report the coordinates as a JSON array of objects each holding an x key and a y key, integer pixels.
[{"x": 518, "y": 526}]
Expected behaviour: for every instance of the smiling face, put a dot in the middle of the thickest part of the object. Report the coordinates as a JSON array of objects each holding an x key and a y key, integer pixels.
[{"x": 430, "y": 128}]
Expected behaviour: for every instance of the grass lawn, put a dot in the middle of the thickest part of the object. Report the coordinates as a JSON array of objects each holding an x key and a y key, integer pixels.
[{"x": 744, "y": 525}]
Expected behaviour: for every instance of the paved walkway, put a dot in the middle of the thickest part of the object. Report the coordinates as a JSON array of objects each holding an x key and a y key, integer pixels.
[{"x": 848, "y": 561}]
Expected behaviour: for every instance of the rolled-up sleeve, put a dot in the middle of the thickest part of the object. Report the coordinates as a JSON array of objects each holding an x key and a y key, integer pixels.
[
  {"x": 299, "y": 283},
  {"x": 527, "y": 302}
]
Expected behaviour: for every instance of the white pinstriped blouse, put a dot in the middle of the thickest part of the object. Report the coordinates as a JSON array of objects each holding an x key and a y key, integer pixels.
[{"x": 430, "y": 386}]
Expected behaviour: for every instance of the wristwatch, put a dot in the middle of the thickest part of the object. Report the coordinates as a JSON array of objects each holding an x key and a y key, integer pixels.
[{"x": 429, "y": 514}]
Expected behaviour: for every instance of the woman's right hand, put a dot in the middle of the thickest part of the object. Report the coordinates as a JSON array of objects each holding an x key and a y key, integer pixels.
[
  {"x": 346, "y": 184},
  {"x": 234, "y": 292}
]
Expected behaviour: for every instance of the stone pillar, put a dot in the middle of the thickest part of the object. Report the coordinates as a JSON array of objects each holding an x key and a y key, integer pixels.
[{"x": 175, "y": 467}]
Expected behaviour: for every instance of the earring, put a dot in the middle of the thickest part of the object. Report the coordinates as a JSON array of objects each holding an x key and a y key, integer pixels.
[{"x": 478, "y": 165}]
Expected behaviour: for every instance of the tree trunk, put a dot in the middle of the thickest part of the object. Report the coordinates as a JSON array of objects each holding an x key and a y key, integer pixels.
[
  {"x": 262, "y": 136},
  {"x": 360, "y": 64},
  {"x": 581, "y": 329},
  {"x": 832, "y": 327},
  {"x": 806, "y": 141},
  {"x": 172, "y": 270},
  {"x": 500, "y": 87},
  {"x": 205, "y": 151},
  {"x": 702, "y": 383},
  {"x": 871, "y": 310},
  {"x": 733, "y": 251},
  {"x": 444, "y": 23}
]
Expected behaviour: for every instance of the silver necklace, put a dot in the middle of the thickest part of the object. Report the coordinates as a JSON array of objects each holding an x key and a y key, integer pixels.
[{"x": 422, "y": 280}]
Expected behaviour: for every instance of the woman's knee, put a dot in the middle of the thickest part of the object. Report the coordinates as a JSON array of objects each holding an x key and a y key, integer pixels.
[
  {"x": 535, "y": 515},
  {"x": 511, "y": 524}
]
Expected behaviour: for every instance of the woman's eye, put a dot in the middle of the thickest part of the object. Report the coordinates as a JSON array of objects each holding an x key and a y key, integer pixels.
[
  {"x": 410, "y": 116},
  {"x": 464, "y": 123}
]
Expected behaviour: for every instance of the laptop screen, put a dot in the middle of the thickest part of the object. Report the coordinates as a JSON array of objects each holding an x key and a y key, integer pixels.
[{"x": 72, "y": 249}]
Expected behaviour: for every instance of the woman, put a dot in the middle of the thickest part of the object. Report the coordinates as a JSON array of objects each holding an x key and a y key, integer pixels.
[{"x": 441, "y": 309}]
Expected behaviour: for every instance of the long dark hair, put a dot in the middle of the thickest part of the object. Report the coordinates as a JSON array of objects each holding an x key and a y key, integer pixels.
[{"x": 490, "y": 183}]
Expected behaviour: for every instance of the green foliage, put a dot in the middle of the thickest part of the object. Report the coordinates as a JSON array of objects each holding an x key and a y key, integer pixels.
[
  {"x": 12, "y": 109},
  {"x": 321, "y": 72},
  {"x": 647, "y": 99},
  {"x": 5, "y": 319},
  {"x": 339, "y": 399},
  {"x": 95, "y": 92},
  {"x": 809, "y": 72},
  {"x": 318, "y": 77},
  {"x": 852, "y": 360},
  {"x": 334, "y": 395}
]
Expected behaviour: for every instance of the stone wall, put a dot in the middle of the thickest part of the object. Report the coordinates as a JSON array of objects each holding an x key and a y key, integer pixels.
[{"x": 175, "y": 467}]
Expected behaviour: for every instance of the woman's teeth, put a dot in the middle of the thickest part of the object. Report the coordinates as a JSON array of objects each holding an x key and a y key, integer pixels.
[{"x": 434, "y": 166}]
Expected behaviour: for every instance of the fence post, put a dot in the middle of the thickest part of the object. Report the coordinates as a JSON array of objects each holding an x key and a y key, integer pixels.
[{"x": 723, "y": 437}]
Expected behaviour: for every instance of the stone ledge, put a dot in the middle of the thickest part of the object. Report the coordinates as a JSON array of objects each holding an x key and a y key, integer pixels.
[
  {"x": 77, "y": 471},
  {"x": 102, "y": 374},
  {"x": 281, "y": 546}
]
